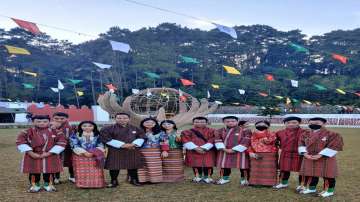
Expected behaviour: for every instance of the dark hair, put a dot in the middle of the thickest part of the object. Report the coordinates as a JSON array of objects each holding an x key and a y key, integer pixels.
[
  {"x": 318, "y": 119},
  {"x": 156, "y": 129},
  {"x": 292, "y": 118},
  {"x": 242, "y": 122},
  {"x": 263, "y": 121},
  {"x": 95, "y": 131},
  {"x": 167, "y": 121},
  {"x": 200, "y": 118},
  {"x": 62, "y": 114},
  {"x": 230, "y": 117},
  {"x": 40, "y": 117},
  {"x": 122, "y": 113}
]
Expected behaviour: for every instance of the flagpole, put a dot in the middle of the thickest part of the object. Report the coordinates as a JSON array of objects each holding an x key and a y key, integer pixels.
[
  {"x": 92, "y": 87},
  {"x": 101, "y": 82},
  {"x": 77, "y": 99},
  {"x": 59, "y": 97}
]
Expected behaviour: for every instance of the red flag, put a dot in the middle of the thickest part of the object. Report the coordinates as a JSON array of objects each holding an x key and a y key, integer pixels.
[
  {"x": 340, "y": 58},
  {"x": 263, "y": 94},
  {"x": 183, "y": 98},
  {"x": 28, "y": 26},
  {"x": 269, "y": 77},
  {"x": 111, "y": 87},
  {"x": 186, "y": 82}
]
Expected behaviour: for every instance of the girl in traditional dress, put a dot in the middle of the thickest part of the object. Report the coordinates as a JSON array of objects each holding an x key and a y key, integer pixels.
[
  {"x": 263, "y": 156},
  {"x": 171, "y": 152},
  {"x": 89, "y": 157},
  {"x": 152, "y": 171}
]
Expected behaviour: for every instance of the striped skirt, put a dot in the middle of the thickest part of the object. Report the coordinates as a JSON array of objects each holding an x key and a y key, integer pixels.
[
  {"x": 263, "y": 171},
  {"x": 173, "y": 166},
  {"x": 87, "y": 174},
  {"x": 152, "y": 171}
]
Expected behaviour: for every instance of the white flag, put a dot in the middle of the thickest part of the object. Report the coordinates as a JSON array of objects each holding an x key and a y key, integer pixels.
[
  {"x": 218, "y": 102},
  {"x": 208, "y": 94},
  {"x": 148, "y": 93},
  {"x": 135, "y": 91},
  {"x": 294, "y": 83},
  {"x": 60, "y": 85},
  {"x": 56, "y": 90},
  {"x": 228, "y": 30},
  {"x": 119, "y": 46},
  {"x": 241, "y": 91},
  {"x": 181, "y": 93},
  {"x": 102, "y": 66}
]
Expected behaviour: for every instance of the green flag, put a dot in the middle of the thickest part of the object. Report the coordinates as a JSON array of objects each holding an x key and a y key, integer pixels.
[
  {"x": 294, "y": 100},
  {"x": 152, "y": 75},
  {"x": 189, "y": 60},
  {"x": 319, "y": 87},
  {"x": 75, "y": 81},
  {"x": 28, "y": 86},
  {"x": 298, "y": 48}
]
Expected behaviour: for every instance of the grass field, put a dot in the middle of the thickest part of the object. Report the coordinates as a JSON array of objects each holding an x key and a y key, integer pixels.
[{"x": 13, "y": 184}]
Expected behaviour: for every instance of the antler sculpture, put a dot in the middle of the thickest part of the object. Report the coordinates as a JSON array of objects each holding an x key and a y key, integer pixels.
[{"x": 109, "y": 103}]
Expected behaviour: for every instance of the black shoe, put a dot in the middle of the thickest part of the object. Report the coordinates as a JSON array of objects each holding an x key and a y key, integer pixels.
[
  {"x": 112, "y": 184},
  {"x": 135, "y": 183}
]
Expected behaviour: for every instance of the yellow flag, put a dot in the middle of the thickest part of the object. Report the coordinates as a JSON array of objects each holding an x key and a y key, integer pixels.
[
  {"x": 279, "y": 97},
  {"x": 307, "y": 102},
  {"x": 288, "y": 101},
  {"x": 340, "y": 91},
  {"x": 16, "y": 50},
  {"x": 215, "y": 86},
  {"x": 30, "y": 73},
  {"x": 80, "y": 93},
  {"x": 231, "y": 70}
]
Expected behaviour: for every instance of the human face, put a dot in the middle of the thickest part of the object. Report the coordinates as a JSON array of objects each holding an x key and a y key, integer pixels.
[
  {"x": 168, "y": 126},
  {"x": 122, "y": 119},
  {"x": 292, "y": 124},
  {"x": 316, "y": 125},
  {"x": 60, "y": 119},
  {"x": 149, "y": 124},
  {"x": 87, "y": 127},
  {"x": 261, "y": 127},
  {"x": 230, "y": 123},
  {"x": 41, "y": 123},
  {"x": 199, "y": 123}
]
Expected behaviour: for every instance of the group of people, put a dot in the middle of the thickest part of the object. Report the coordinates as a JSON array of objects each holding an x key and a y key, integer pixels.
[{"x": 154, "y": 152}]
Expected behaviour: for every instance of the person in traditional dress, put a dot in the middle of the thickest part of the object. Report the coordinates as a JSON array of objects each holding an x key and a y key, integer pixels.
[
  {"x": 61, "y": 123},
  {"x": 200, "y": 155},
  {"x": 124, "y": 142},
  {"x": 171, "y": 152},
  {"x": 243, "y": 124},
  {"x": 88, "y": 157},
  {"x": 152, "y": 171},
  {"x": 232, "y": 143},
  {"x": 290, "y": 160},
  {"x": 319, "y": 148},
  {"x": 263, "y": 156},
  {"x": 42, "y": 146}
]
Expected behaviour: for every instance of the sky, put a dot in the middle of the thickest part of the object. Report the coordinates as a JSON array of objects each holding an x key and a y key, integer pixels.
[{"x": 313, "y": 17}]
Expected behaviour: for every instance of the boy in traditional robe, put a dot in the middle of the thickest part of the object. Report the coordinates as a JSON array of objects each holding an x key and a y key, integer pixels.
[
  {"x": 319, "y": 148},
  {"x": 61, "y": 124},
  {"x": 124, "y": 142},
  {"x": 199, "y": 143},
  {"x": 232, "y": 142},
  {"x": 42, "y": 146},
  {"x": 290, "y": 160}
]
